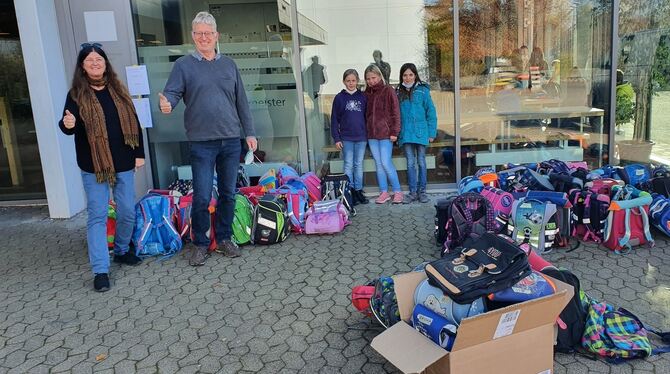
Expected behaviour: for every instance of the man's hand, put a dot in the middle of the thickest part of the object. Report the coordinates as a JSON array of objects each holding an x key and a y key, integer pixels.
[
  {"x": 139, "y": 162},
  {"x": 252, "y": 143},
  {"x": 69, "y": 120},
  {"x": 165, "y": 105},
  {"x": 338, "y": 145}
]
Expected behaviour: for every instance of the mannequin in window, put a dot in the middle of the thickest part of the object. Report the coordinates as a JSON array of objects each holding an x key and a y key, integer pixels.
[{"x": 383, "y": 66}]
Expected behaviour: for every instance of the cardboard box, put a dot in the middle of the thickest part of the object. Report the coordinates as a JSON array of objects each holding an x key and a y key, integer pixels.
[{"x": 515, "y": 339}]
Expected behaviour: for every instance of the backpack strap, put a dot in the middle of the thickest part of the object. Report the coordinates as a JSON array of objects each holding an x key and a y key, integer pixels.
[
  {"x": 665, "y": 336},
  {"x": 645, "y": 221}
]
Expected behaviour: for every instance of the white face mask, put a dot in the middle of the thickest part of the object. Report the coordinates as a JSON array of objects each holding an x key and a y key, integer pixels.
[
  {"x": 249, "y": 157},
  {"x": 407, "y": 85}
]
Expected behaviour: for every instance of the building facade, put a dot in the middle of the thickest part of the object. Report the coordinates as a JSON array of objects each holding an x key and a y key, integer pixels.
[{"x": 512, "y": 80}]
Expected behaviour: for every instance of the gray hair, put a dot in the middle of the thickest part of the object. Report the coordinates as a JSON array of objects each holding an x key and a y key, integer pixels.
[
  {"x": 204, "y": 18},
  {"x": 349, "y": 72},
  {"x": 372, "y": 68}
]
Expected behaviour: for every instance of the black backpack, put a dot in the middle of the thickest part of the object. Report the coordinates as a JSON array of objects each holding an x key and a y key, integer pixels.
[
  {"x": 441, "y": 216},
  {"x": 270, "y": 222},
  {"x": 573, "y": 315},
  {"x": 467, "y": 215},
  {"x": 660, "y": 185}
]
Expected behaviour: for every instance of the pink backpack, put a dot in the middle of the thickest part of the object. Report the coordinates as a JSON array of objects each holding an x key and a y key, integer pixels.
[
  {"x": 628, "y": 220},
  {"x": 501, "y": 201},
  {"x": 313, "y": 184},
  {"x": 326, "y": 217}
]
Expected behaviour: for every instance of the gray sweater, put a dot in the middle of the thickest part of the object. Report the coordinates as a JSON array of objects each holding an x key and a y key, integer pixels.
[{"x": 213, "y": 92}]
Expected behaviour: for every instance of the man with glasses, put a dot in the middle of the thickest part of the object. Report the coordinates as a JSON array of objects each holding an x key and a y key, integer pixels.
[{"x": 216, "y": 115}]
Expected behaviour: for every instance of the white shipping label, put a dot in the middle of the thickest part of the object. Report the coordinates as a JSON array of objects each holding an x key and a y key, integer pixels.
[
  {"x": 267, "y": 223},
  {"x": 506, "y": 324}
]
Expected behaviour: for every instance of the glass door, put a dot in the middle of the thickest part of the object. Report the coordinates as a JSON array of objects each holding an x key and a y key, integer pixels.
[{"x": 20, "y": 166}]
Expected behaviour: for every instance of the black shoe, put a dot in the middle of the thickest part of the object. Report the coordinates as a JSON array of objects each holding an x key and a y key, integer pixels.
[
  {"x": 354, "y": 196},
  {"x": 101, "y": 282},
  {"x": 361, "y": 197},
  {"x": 128, "y": 258}
]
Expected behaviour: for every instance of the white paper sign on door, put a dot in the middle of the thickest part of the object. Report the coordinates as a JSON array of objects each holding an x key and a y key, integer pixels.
[{"x": 100, "y": 26}]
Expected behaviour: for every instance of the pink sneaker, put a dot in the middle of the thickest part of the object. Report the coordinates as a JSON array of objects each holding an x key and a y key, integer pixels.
[
  {"x": 383, "y": 198},
  {"x": 398, "y": 197}
]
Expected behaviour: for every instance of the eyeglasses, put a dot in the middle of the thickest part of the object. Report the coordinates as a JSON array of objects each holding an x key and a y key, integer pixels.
[
  {"x": 98, "y": 60},
  {"x": 207, "y": 34},
  {"x": 89, "y": 45}
]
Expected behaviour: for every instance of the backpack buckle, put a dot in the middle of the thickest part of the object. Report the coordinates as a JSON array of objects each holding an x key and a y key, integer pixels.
[{"x": 464, "y": 254}]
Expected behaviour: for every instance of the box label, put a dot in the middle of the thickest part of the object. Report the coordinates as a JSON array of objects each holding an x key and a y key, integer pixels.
[
  {"x": 506, "y": 324},
  {"x": 548, "y": 371}
]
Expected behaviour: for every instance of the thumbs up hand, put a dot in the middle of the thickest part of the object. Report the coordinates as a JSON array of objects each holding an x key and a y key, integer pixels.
[
  {"x": 69, "y": 120},
  {"x": 165, "y": 105}
]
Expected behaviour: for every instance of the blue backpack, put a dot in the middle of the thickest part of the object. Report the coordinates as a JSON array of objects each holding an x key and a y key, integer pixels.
[
  {"x": 470, "y": 184},
  {"x": 635, "y": 174},
  {"x": 295, "y": 194},
  {"x": 659, "y": 210},
  {"x": 155, "y": 234}
]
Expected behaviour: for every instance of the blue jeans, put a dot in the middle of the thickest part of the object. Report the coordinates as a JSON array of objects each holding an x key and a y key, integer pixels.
[
  {"x": 97, "y": 198},
  {"x": 353, "y": 153},
  {"x": 224, "y": 155},
  {"x": 416, "y": 153},
  {"x": 381, "y": 152}
]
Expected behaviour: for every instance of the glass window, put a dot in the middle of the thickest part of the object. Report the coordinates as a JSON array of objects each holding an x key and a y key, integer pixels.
[
  {"x": 257, "y": 36},
  {"x": 340, "y": 35},
  {"x": 643, "y": 83},
  {"x": 20, "y": 167},
  {"x": 535, "y": 78}
]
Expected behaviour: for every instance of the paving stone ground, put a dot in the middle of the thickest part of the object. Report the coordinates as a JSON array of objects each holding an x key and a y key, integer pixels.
[{"x": 277, "y": 309}]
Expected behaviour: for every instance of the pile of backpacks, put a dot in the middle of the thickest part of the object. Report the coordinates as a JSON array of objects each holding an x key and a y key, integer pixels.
[
  {"x": 282, "y": 202},
  {"x": 492, "y": 236}
]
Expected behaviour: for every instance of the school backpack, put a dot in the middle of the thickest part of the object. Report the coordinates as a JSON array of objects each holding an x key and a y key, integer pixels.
[
  {"x": 384, "y": 303},
  {"x": 294, "y": 193},
  {"x": 154, "y": 233},
  {"x": 269, "y": 180},
  {"x": 607, "y": 171},
  {"x": 628, "y": 220},
  {"x": 572, "y": 319},
  {"x": 313, "y": 184},
  {"x": 360, "y": 297},
  {"x": 470, "y": 184},
  {"x": 564, "y": 182},
  {"x": 589, "y": 214},
  {"x": 326, "y": 217},
  {"x": 488, "y": 176},
  {"x": 509, "y": 179},
  {"x": 659, "y": 185},
  {"x": 285, "y": 173},
  {"x": 242, "y": 220},
  {"x": 183, "y": 186},
  {"x": 617, "y": 334},
  {"x": 535, "y": 181},
  {"x": 534, "y": 222},
  {"x": 660, "y": 213},
  {"x": 468, "y": 214},
  {"x": 242, "y": 177},
  {"x": 553, "y": 166},
  {"x": 441, "y": 215},
  {"x": 502, "y": 204},
  {"x": 603, "y": 186},
  {"x": 635, "y": 174},
  {"x": 563, "y": 214},
  {"x": 270, "y": 224},
  {"x": 336, "y": 187}
]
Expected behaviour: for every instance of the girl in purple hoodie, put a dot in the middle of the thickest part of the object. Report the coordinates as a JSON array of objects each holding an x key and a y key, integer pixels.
[{"x": 349, "y": 133}]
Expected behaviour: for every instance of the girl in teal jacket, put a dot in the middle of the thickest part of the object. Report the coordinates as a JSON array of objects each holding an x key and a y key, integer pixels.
[{"x": 418, "y": 127}]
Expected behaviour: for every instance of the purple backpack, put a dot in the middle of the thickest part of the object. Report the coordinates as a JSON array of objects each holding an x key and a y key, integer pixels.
[
  {"x": 469, "y": 213},
  {"x": 326, "y": 217}
]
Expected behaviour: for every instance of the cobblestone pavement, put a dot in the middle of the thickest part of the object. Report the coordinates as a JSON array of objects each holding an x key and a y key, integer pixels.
[{"x": 283, "y": 308}]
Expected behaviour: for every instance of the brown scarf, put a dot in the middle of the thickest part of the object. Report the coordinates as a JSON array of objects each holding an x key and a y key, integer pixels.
[{"x": 96, "y": 129}]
